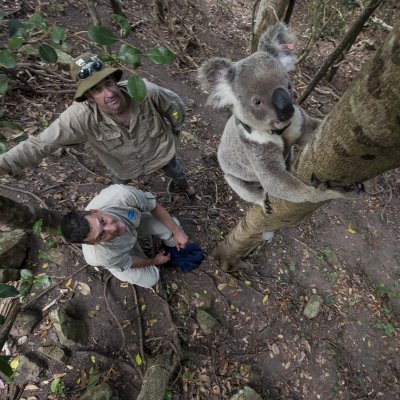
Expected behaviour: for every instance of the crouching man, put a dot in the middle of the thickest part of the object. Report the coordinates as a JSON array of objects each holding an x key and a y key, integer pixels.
[{"x": 109, "y": 229}]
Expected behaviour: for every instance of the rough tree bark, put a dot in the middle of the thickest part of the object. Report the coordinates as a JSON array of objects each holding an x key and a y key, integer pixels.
[
  {"x": 342, "y": 47},
  {"x": 269, "y": 12},
  {"x": 23, "y": 216},
  {"x": 359, "y": 139}
]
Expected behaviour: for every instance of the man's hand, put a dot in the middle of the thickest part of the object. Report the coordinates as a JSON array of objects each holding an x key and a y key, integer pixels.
[
  {"x": 181, "y": 239},
  {"x": 161, "y": 258}
]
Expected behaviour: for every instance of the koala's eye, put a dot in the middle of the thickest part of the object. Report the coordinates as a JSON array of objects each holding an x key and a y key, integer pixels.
[
  {"x": 289, "y": 86},
  {"x": 257, "y": 101}
]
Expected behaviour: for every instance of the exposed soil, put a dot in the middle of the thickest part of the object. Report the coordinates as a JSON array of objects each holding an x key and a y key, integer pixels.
[{"x": 348, "y": 252}]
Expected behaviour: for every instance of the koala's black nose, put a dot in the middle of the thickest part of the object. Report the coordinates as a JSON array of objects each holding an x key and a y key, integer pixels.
[{"x": 283, "y": 104}]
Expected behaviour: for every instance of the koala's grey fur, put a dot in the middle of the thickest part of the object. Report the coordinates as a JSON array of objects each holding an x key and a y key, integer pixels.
[{"x": 253, "y": 149}]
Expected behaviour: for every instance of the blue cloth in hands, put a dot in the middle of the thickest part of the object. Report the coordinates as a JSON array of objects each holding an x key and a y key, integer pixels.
[{"x": 186, "y": 259}]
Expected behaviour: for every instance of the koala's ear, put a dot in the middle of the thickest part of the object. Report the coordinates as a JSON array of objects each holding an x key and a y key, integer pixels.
[
  {"x": 216, "y": 76},
  {"x": 279, "y": 42}
]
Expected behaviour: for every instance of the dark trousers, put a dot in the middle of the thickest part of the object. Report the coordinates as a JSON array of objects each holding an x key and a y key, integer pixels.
[{"x": 173, "y": 170}]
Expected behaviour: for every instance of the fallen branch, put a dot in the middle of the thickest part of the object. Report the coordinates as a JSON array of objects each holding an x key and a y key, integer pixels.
[
  {"x": 13, "y": 189},
  {"x": 345, "y": 43}
]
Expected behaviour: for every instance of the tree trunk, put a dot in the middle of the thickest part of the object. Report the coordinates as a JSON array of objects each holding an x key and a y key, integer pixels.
[
  {"x": 345, "y": 43},
  {"x": 22, "y": 216},
  {"x": 359, "y": 139},
  {"x": 269, "y": 12}
]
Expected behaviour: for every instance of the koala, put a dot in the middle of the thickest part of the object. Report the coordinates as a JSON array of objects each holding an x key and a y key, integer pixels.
[{"x": 265, "y": 122}]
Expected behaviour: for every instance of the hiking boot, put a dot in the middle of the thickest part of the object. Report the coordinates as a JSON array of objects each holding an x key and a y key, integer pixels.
[{"x": 184, "y": 188}]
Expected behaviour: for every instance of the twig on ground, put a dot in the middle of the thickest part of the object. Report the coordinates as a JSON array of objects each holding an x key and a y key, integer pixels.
[
  {"x": 107, "y": 359},
  {"x": 13, "y": 189},
  {"x": 70, "y": 152},
  {"x": 139, "y": 324},
  {"x": 390, "y": 197},
  {"x": 53, "y": 287},
  {"x": 45, "y": 72},
  {"x": 303, "y": 244}
]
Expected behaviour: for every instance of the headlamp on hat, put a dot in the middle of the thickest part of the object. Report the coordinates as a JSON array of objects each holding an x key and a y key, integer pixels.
[
  {"x": 87, "y": 71},
  {"x": 87, "y": 68}
]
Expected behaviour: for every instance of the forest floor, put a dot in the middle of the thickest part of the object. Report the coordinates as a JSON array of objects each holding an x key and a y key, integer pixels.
[{"x": 348, "y": 252}]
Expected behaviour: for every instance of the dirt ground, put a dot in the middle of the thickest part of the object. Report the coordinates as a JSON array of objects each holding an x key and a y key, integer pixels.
[{"x": 347, "y": 253}]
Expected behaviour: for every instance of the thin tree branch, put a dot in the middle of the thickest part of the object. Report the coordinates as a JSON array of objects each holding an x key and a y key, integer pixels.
[{"x": 349, "y": 38}]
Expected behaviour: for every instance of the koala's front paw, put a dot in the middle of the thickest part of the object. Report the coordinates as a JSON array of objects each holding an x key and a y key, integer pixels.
[
  {"x": 267, "y": 205},
  {"x": 349, "y": 191}
]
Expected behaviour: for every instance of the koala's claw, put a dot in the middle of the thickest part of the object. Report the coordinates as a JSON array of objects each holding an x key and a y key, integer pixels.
[
  {"x": 267, "y": 205},
  {"x": 356, "y": 189},
  {"x": 350, "y": 191}
]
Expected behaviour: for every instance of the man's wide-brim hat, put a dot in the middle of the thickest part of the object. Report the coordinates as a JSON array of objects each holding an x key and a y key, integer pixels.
[{"x": 96, "y": 76}]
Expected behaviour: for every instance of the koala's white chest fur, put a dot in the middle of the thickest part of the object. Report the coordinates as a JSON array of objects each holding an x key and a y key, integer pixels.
[{"x": 263, "y": 137}]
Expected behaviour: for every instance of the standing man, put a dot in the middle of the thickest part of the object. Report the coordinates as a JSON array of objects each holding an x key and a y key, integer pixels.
[
  {"x": 109, "y": 229},
  {"x": 130, "y": 139}
]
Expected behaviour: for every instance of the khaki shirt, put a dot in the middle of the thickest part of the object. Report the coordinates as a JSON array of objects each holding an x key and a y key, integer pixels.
[
  {"x": 128, "y": 204},
  {"x": 147, "y": 145}
]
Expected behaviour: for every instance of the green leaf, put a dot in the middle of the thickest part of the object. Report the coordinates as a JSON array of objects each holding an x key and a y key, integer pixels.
[
  {"x": 11, "y": 125},
  {"x": 14, "y": 26},
  {"x": 37, "y": 21},
  {"x": 138, "y": 360},
  {"x": 7, "y": 59},
  {"x": 20, "y": 138},
  {"x": 38, "y": 227},
  {"x": 3, "y": 88},
  {"x": 43, "y": 255},
  {"x": 15, "y": 42},
  {"x": 51, "y": 244},
  {"x": 8, "y": 291},
  {"x": 48, "y": 53},
  {"x": 129, "y": 55},
  {"x": 55, "y": 386},
  {"x": 168, "y": 395},
  {"x": 1, "y": 16},
  {"x": 26, "y": 274},
  {"x": 3, "y": 148},
  {"x": 2, "y": 319},
  {"x": 55, "y": 231},
  {"x": 42, "y": 280},
  {"x": 389, "y": 329},
  {"x": 160, "y": 56},
  {"x": 25, "y": 287},
  {"x": 124, "y": 24},
  {"x": 101, "y": 35},
  {"x": 329, "y": 300},
  {"x": 137, "y": 88},
  {"x": 57, "y": 35},
  {"x": 94, "y": 377},
  {"x": 107, "y": 58},
  {"x": 5, "y": 367}
]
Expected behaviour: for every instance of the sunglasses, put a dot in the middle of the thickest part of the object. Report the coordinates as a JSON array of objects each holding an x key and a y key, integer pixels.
[{"x": 87, "y": 70}]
